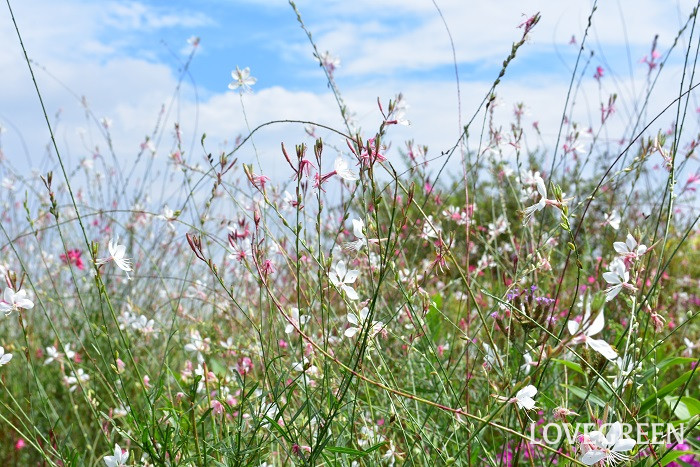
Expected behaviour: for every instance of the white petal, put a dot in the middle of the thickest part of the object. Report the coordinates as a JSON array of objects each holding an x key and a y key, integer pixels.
[
  {"x": 597, "y": 325},
  {"x": 26, "y": 304},
  {"x": 526, "y": 403},
  {"x": 614, "y": 433},
  {"x": 624, "y": 445},
  {"x": 527, "y": 391},
  {"x": 357, "y": 226},
  {"x": 592, "y": 457},
  {"x": 333, "y": 277},
  {"x": 620, "y": 247},
  {"x": 352, "y": 318},
  {"x": 573, "y": 327},
  {"x": 352, "y": 295},
  {"x": 612, "y": 292},
  {"x": 541, "y": 188},
  {"x": 351, "y": 276},
  {"x": 339, "y": 165},
  {"x": 294, "y": 313},
  {"x": 618, "y": 266},
  {"x": 612, "y": 278},
  {"x": 340, "y": 269},
  {"x": 364, "y": 313},
  {"x": 349, "y": 332},
  {"x": 602, "y": 348}
]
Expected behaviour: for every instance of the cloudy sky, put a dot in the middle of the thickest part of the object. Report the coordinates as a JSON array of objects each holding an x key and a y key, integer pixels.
[{"x": 125, "y": 58}]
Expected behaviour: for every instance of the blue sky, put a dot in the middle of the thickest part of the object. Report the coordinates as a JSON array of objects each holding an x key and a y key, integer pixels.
[{"x": 124, "y": 56}]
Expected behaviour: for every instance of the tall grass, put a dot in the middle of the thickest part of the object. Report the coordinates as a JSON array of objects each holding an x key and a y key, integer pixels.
[{"x": 381, "y": 304}]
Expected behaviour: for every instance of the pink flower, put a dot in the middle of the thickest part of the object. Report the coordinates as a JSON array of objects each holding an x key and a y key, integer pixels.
[
  {"x": 371, "y": 153},
  {"x": 268, "y": 267},
  {"x": 73, "y": 257},
  {"x": 260, "y": 181},
  {"x": 244, "y": 366},
  {"x": 652, "y": 63},
  {"x": 529, "y": 23},
  {"x": 598, "y": 73},
  {"x": 217, "y": 407}
]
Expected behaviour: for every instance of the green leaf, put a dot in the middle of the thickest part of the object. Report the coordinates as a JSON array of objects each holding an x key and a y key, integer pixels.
[
  {"x": 432, "y": 318},
  {"x": 580, "y": 393},
  {"x": 437, "y": 300},
  {"x": 686, "y": 408},
  {"x": 672, "y": 456},
  {"x": 344, "y": 450},
  {"x": 375, "y": 447},
  {"x": 681, "y": 380},
  {"x": 665, "y": 364},
  {"x": 572, "y": 365}
]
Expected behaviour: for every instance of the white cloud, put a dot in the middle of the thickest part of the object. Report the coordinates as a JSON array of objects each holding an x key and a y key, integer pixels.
[
  {"x": 136, "y": 15},
  {"x": 68, "y": 38},
  {"x": 392, "y": 35}
]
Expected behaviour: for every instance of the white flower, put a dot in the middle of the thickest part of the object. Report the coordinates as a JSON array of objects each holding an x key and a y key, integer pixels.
[
  {"x": 169, "y": 216},
  {"x": 242, "y": 80},
  {"x": 55, "y": 355},
  {"x": 198, "y": 345},
  {"x": 582, "y": 334},
  {"x": 78, "y": 376},
  {"x": 228, "y": 344},
  {"x": 599, "y": 447},
  {"x": 490, "y": 357},
  {"x": 305, "y": 366},
  {"x": 613, "y": 220},
  {"x": 117, "y": 253},
  {"x": 497, "y": 227},
  {"x": 529, "y": 177},
  {"x": 15, "y": 301},
  {"x": 329, "y": 62},
  {"x": 431, "y": 229},
  {"x": 119, "y": 459},
  {"x": 358, "y": 323},
  {"x": 4, "y": 357},
  {"x": 341, "y": 278},
  {"x": 630, "y": 248},
  {"x": 143, "y": 325},
  {"x": 358, "y": 227},
  {"x": 529, "y": 363},
  {"x": 344, "y": 171},
  {"x": 689, "y": 346},
  {"x": 625, "y": 368},
  {"x": 543, "y": 202},
  {"x": 298, "y": 321},
  {"x": 540, "y": 205},
  {"x": 618, "y": 277},
  {"x": 391, "y": 455},
  {"x": 454, "y": 213},
  {"x": 398, "y": 114},
  {"x": 87, "y": 164},
  {"x": 524, "y": 397},
  {"x": 8, "y": 184}
]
